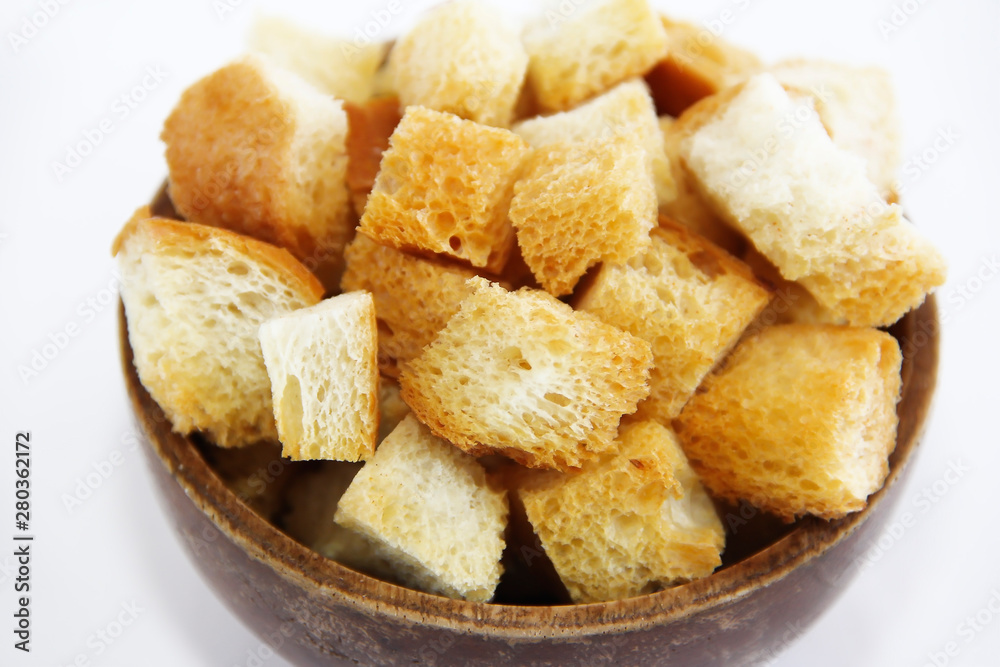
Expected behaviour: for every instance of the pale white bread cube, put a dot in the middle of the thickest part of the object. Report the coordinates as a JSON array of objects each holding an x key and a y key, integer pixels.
[
  {"x": 581, "y": 49},
  {"x": 768, "y": 166},
  {"x": 323, "y": 366},
  {"x": 464, "y": 58},
  {"x": 195, "y": 297},
  {"x": 338, "y": 67},
  {"x": 626, "y": 108},
  {"x": 633, "y": 521},
  {"x": 858, "y": 109},
  {"x": 432, "y": 512}
]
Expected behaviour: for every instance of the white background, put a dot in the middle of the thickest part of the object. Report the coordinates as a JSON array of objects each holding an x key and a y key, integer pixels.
[{"x": 116, "y": 547}]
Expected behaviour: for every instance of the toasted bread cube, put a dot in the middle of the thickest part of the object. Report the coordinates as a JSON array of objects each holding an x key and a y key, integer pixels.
[
  {"x": 582, "y": 203},
  {"x": 582, "y": 51},
  {"x": 625, "y": 109},
  {"x": 324, "y": 378},
  {"x": 689, "y": 299},
  {"x": 311, "y": 505},
  {"x": 688, "y": 206},
  {"x": 768, "y": 165},
  {"x": 858, "y": 109},
  {"x": 414, "y": 297},
  {"x": 337, "y": 67},
  {"x": 631, "y": 522},
  {"x": 256, "y": 149},
  {"x": 371, "y": 124},
  {"x": 445, "y": 187},
  {"x": 523, "y": 375},
  {"x": 432, "y": 512},
  {"x": 800, "y": 420},
  {"x": 195, "y": 297},
  {"x": 697, "y": 64},
  {"x": 464, "y": 58}
]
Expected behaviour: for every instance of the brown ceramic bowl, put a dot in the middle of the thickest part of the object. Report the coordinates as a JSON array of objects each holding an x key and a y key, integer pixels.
[{"x": 775, "y": 581}]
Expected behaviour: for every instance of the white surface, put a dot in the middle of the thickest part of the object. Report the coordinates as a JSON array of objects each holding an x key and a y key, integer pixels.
[{"x": 116, "y": 548}]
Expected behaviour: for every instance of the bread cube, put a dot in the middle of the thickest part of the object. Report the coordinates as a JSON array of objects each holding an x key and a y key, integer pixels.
[
  {"x": 631, "y": 522},
  {"x": 432, "y": 512},
  {"x": 583, "y": 50},
  {"x": 767, "y": 164},
  {"x": 337, "y": 67},
  {"x": 800, "y": 420},
  {"x": 582, "y": 203},
  {"x": 256, "y": 149},
  {"x": 414, "y": 297},
  {"x": 445, "y": 187},
  {"x": 697, "y": 64},
  {"x": 195, "y": 297},
  {"x": 858, "y": 109},
  {"x": 625, "y": 109},
  {"x": 370, "y": 126},
  {"x": 324, "y": 378},
  {"x": 523, "y": 375},
  {"x": 689, "y": 299},
  {"x": 464, "y": 58}
]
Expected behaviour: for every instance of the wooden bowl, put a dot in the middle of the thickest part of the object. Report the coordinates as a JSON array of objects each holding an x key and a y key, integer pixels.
[{"x": 314, "y": 611}]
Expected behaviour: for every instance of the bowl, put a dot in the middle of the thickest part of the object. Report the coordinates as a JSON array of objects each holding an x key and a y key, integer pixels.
[{"x": 775, "y": 579}]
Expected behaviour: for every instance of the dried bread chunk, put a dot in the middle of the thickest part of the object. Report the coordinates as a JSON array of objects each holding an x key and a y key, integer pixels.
[
  {"x": 254, "y": 148},
  {"x": 581, "y": 203},
  {"x": 590, "y": 48},
  {"x": 370, "y": 125},
  {"x": 414, "y": 296},
  {"x": 338, "y": 67},
  {"x": 445, "y": 187},
  {"x": 698, "y": 63},
  {"x": 801, "y": 419},
  {"x": 625, "y": 109},
  {"x": 523, "y": 375},
  {"x": 689, "y": 299},
  {"x": 324, "y": 378},
  {"x": 767, "y": 164},
  {"x": 688, "y": 207},
  {"x": 645, "y": 519},
  {"x": 858, "y": 109},
  {"x": 462, "y": 57},
  {"x": 311, "y": 505},
  {"x": 432, "y": 512},
  {"x": 195, "y": 297}
]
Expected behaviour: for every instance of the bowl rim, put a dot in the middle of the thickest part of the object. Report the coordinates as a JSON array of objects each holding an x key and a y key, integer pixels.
[{"x": 265, "y": 543}]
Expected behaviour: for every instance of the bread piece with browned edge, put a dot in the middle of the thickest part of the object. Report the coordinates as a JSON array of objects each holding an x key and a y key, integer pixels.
[
  {"x": 801, "y": 419},
  {"x": 462, "y": 57},
  {"x": 414, "y": 296},
  {"x": 631, "y": 522},
  {"x": 523, "y": 375},
  {"x": 582, "y": 203},
  {"x": 697, "y": 64},
  {"x": 195, "y": 297},
  {"x": 689, "y": 299},
  {"x": 432, "y": 512},
  {"x": 581, "y": 50},
  {"x": 445, "y": 187},
  {"x": 625, "y": 109},
  {"x": 255, "y": 148},
  {"x": 323, "y": 366},
  {"x": 370, "y": 126},
  {"x": 766, "y": 163},
  {"x": 338, "y": 67}
]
